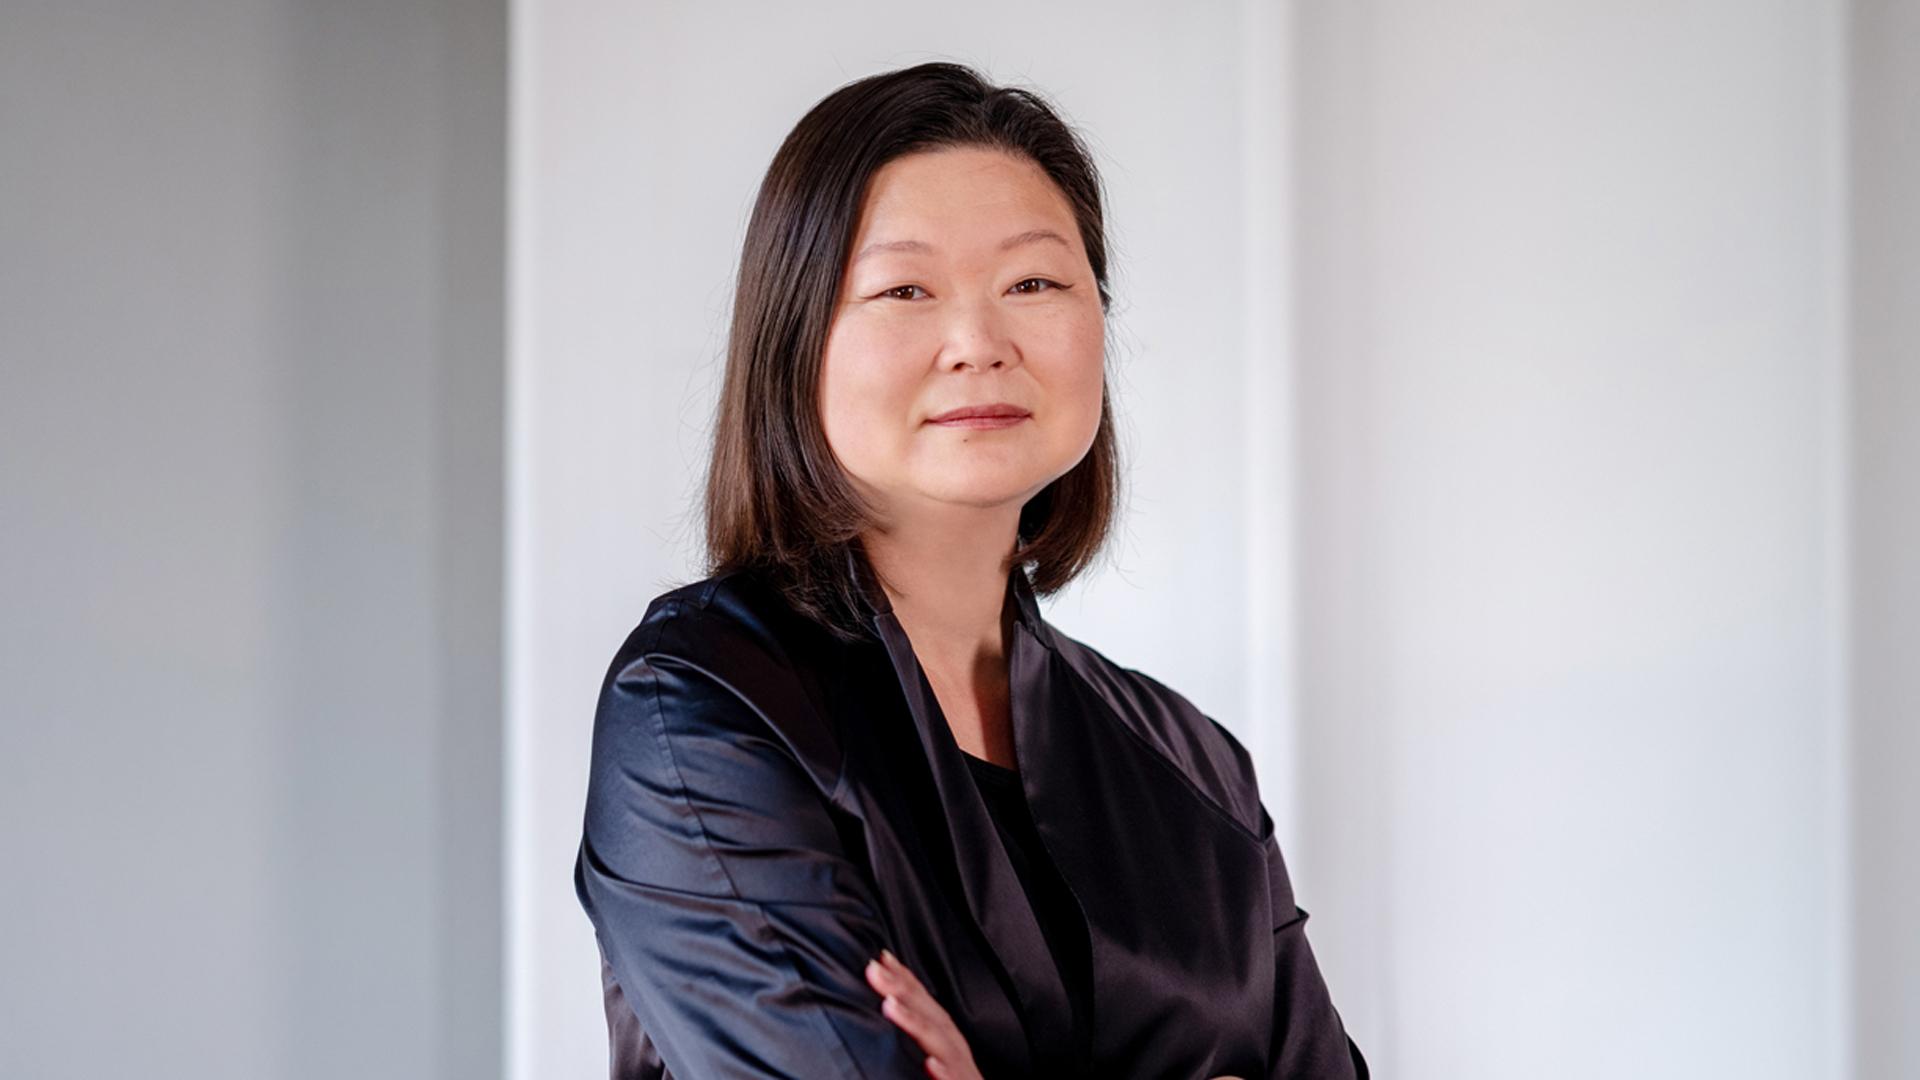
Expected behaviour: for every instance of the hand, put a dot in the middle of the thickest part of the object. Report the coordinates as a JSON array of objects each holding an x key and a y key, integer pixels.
[{"x": 908, "y": 1004}]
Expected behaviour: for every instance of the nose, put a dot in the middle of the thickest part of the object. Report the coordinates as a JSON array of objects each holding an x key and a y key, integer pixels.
[{"x": 977, "y": 337}]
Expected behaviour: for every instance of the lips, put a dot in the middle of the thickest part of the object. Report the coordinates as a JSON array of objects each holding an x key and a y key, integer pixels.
[{"x": 998, "y": 411}]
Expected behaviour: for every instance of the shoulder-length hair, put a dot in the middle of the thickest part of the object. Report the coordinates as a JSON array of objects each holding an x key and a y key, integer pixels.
[{"x": 777, "y": 501}]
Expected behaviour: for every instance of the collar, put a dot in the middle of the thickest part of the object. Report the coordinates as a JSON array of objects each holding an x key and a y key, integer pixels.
[
  {"x": 993, "y": 891},
  {"x": 1026, "y": 608}
]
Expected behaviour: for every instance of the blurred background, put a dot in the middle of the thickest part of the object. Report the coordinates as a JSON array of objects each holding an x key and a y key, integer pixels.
[{"x": 1527, "y": 394}]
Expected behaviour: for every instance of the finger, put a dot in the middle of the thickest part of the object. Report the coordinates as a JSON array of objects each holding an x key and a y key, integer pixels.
[
  {"x": 908, "y": 1004},
  {"x": 936, "y": 1036},
  {"x": 914, "y": 1023},
  {"x": 916, "y": 994},
  {"x": 897, "y": 966},
  {"x": 901, "y": 983},
  {"x": 892, "y": 984}
]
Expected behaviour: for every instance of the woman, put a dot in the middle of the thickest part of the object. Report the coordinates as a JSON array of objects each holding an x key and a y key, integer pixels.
[{"x": 855, "y": 808}]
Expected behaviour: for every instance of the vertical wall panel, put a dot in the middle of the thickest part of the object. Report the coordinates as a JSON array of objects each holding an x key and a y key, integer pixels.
[
  {"x": 251, "y": 272},
  {"x": 1885, "y": 281},
  {"x": 1570, "y": 345}
]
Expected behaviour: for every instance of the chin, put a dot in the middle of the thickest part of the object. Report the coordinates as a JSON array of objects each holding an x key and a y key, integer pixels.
[{"x": 987, "y": 492}]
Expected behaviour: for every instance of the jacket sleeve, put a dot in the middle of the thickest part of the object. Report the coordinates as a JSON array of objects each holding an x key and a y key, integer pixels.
[
  {"x": 1309, "y": 1040},
  {"x": 714, "y": 876}
]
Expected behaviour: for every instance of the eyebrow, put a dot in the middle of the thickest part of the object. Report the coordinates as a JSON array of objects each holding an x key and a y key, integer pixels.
[{"x": 1031, "y": 236}]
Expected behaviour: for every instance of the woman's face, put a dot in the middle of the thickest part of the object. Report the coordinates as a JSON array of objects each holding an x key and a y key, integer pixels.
[{"x": 967, "y": 285}]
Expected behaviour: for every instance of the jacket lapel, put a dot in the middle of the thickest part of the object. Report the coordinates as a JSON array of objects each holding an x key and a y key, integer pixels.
[{"x": 993, "y": 891}]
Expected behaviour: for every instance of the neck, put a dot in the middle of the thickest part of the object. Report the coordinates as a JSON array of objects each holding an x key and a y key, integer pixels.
[{"x": 947, "y": 582}]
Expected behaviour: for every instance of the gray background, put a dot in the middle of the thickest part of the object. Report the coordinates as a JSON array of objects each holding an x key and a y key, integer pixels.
[
  {"x": 251, "y": 286},
  {"x": 1534, "y": 386}
]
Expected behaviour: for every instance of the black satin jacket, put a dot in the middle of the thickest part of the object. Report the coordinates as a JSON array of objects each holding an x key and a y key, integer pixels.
[{"x": 768, "y": 807}]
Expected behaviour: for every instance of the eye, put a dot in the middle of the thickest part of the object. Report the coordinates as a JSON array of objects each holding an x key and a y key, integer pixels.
[
  {"x": 1041, "y": 281},
  {"x": 893, "y": 293}
]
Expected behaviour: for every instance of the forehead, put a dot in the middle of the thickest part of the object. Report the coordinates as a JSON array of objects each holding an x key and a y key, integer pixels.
[{"x": 957, "y": 192}]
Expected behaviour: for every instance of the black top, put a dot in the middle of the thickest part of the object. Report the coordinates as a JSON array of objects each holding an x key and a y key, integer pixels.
[
  {"x": 1053, "y": 904},
  {"x": 769, "y": 805}
]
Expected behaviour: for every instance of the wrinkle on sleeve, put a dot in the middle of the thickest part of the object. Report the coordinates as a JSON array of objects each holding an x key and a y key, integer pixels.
[
  {"x": 736, "y": 925},
  {"x": 1309, "y": 1040}
]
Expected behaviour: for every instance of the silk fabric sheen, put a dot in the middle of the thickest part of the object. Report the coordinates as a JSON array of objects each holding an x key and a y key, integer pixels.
[
  {"x": 1053, "y": 905},
  {"x": 768, "y": 807}
]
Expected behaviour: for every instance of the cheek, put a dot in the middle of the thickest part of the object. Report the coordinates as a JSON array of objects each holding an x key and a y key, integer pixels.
[
  {"x": 862, "y": 395},
  {"x": 1081, "y": 375}
]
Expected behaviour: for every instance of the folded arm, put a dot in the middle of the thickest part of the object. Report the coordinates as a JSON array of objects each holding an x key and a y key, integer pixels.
[{"x": 710, "y": 865}]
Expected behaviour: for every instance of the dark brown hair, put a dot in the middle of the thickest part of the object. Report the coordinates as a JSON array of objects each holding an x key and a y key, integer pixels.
[{"x": 776, "y": 500}]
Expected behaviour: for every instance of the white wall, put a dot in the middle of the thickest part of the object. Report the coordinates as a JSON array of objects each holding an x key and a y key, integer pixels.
[
  {"x": 250, "y": 526},
  {"x": 1573, "y": 553}
]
